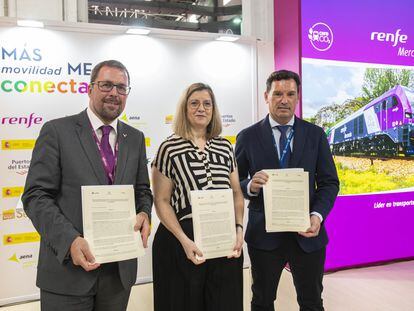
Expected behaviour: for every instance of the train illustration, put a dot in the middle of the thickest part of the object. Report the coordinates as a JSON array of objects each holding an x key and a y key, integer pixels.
[{"x": 384, "y": 127}]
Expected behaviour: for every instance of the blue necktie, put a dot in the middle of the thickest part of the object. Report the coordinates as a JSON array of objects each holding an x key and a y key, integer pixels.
[
  {"x": 282, "y": 144},
  {"x": 106, "y": 148}
]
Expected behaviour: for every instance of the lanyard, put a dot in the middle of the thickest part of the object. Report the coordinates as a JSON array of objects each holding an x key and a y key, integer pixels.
[
  {"x": 285, "y": 149},
  {"x": 108, "y": 171}
]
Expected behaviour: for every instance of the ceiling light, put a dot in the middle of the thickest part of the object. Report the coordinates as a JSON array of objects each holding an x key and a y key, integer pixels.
[
  {"x": 138, "y": 31},
  {"x": 30, "y": 23},
  {"x": 192, "y": 18},
  {"x": 227, "y": 38},
  {"x": 237, "y": 20}
]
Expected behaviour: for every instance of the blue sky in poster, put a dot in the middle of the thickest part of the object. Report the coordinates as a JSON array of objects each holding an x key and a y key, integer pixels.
[
  {"x": 368, "y": 31},
  {"x": 335, "y": 75},
  {"x": 324, "y": 85}
]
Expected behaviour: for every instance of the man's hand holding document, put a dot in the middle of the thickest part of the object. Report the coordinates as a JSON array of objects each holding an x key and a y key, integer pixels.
[
  {"x": 108, "y": 222},
  {"x": 286, "y": 200}
]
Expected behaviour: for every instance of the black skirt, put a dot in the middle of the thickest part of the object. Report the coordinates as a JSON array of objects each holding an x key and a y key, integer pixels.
[{"x": 180, "y": 285}]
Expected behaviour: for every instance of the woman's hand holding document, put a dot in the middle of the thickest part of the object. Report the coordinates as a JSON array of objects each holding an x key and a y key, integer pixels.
[
  {"x": 214, "y": 222},
  {"x": 108, "y": 223},
  {"x": 286, "y": 200}
]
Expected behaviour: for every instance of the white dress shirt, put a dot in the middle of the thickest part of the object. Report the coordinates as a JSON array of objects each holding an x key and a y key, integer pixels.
[
  {"x": 276, "y": 135},
  {"x": 97, "y": 123},
  {"x": 276, "y": 132}
]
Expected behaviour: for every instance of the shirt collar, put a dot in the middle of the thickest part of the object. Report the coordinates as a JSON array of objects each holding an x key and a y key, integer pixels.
[
  {"x": 274, "y": 123},
  {"x": 97, "y": 123}
]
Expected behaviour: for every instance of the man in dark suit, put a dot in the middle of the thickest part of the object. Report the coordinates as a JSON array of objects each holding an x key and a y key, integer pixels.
[
  {"x": 282, "y": 140},
  {"x": 90, "y": 148}
]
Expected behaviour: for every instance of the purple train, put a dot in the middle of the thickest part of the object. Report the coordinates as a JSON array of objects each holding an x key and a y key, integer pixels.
[{"x": 384, "y": 127}]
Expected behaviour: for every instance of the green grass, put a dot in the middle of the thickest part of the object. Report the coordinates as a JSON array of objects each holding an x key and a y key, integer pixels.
[{"x": 354, "y": 182}]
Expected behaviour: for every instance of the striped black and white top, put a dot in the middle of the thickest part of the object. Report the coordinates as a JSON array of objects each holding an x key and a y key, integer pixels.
[{"x": 190, "y": 168}]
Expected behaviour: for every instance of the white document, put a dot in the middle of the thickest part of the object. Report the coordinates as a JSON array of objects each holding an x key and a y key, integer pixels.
[
  {"x": 286, "y": 200},
  {"x": 108, "y": 222},
  {"x": 213, "y": 222}
]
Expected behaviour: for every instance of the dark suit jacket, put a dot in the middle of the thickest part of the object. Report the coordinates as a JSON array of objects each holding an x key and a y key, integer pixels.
[
  {"x": 255, "y": 151},
  {"x": 65, "y": 158}
]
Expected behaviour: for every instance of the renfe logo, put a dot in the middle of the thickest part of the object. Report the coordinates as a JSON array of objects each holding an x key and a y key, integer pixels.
[
  {"x": 389, "y": 37},
  {"x": 27, "y": 121},
  {"x": 321, "y": 36}
]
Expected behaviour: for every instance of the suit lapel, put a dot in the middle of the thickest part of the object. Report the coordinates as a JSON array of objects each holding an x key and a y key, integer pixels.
[
  {"x": 265, "y": 136},
  {"x": 298, "y": 142},
  {"x": 122, "y": 140},
  {"x": 89, "y": 146}
]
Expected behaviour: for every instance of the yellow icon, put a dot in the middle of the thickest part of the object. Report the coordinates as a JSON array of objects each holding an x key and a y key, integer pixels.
[
  {"x": 169, "y": 119},
  {"x": 231, "y": 139},
  {"x": 18, "y": 144},
  {"x": 11, "y": 192},
  {"x": 9, "y": 214},
  {"x": 14, "y": 258},
  {"x": 124, "y": 118},
  {"x": 19, "y": 238}
]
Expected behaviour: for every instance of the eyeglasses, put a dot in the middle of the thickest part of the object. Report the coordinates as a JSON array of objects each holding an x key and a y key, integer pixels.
[
  {"x": 107, "y": 86},
  {"x": 196, "y": 104}
]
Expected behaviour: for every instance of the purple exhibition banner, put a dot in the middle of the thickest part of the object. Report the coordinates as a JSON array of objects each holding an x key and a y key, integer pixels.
[
  {"x": 370, "y": 31},
  {"x": 343, "y": 43},
  {"x": 370, "y": 228}
]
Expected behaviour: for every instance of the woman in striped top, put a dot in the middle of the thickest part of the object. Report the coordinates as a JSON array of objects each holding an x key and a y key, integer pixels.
[{"x": 194, "y": 158}]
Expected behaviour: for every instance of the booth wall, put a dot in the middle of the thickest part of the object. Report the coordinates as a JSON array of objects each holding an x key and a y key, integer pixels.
[
  {"x": 44, "y": 75},
  {"x": 349, "y": 48}
]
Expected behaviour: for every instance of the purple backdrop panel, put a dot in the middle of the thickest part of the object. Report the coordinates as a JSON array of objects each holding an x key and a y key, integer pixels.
[
  {"x": 369, "y": 31},
  {"x": 370, "y": 228}
]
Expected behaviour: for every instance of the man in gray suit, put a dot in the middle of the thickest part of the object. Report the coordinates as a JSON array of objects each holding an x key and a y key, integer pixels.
[{"x": 90, "y": 148}]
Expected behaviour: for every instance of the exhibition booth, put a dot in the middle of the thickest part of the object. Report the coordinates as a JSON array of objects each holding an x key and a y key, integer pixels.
[{"x": 357, "y": 67}]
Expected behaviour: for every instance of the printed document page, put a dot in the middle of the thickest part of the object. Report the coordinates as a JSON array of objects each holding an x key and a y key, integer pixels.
[
  {"x": 108, "y": 222},
  {"x": 286, "y": 200},
  {"x": 213, "y": 221}
]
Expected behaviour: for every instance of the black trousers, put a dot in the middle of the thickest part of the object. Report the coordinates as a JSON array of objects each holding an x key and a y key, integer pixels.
[
  {"x": 307, "y": 271},
  {"x": 107, "y": 294},
  {"x": 180, "y": 285}
]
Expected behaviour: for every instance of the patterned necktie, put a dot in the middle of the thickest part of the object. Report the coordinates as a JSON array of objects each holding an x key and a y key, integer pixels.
[
  {"x": 106, "y": 148},
  {"x": 282, "y": 144}
]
